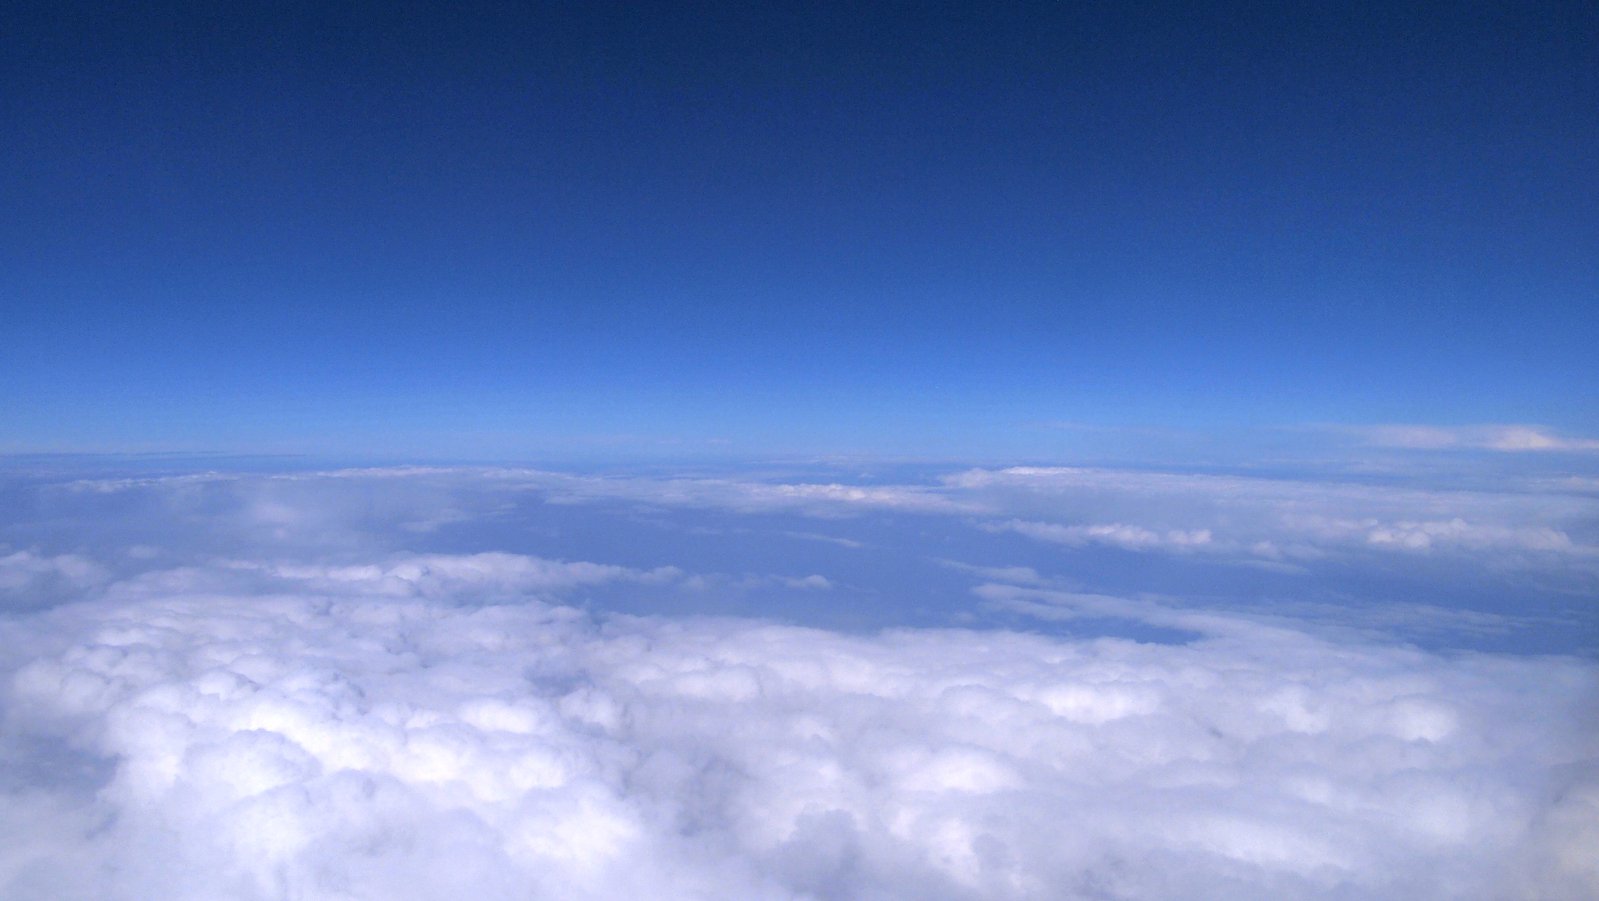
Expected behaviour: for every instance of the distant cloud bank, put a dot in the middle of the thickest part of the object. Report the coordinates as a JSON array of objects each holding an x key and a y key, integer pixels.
[{"x": 1507, "y": 438}]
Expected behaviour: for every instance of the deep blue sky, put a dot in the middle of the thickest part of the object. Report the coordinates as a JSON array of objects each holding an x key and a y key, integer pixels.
[{"x": 502, "y": 229}]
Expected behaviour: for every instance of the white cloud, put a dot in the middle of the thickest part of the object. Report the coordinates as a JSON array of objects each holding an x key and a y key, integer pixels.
[
  {"x": 816, "y": 499},
  {"x": 454, "y": 576},
  {"x": 1545, "y": 525},
  {"x": 1548, "y": 527},
  {"x": 29, "y": 578},
  {"x": 1126, "y": 537},
  {"x": 449, "y": 577},
  {"x": 1508, "y": 438},
  {"x": 257, "y": 687},
  {"x": 270, "y": 498},
  {"x": 355, "y": 731},
  {"x": 19, "y": 569},
  {"x": 1424, "y": 535}
]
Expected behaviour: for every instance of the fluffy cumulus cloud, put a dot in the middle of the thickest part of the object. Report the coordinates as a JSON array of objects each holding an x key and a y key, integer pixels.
[
  {"x": 27, "y": 571},
  {"x": 356, "y": 739},
  {"x": 348, "y": 719}
]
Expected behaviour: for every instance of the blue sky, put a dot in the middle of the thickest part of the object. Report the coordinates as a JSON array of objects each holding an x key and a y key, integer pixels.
[{"x": 488, "y": 231}]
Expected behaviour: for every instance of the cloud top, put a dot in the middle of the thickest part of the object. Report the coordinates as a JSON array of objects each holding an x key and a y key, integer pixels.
[
  {"x": 343, "y": 685},
  {"x": 351, "y": 739}
]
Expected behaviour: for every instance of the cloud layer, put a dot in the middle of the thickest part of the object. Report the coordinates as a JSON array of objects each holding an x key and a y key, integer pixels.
[
  {"x": 1525, "y": 523},
  {"x": 1536, "y": 526},
  {"x": 261, "y": 688},
  {"x": 354, "y": 735}
]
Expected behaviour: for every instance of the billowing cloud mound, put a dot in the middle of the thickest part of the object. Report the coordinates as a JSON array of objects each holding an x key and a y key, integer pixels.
[
  {"x": 373, "y": 743},
  {"x": 370, "y": 722}
]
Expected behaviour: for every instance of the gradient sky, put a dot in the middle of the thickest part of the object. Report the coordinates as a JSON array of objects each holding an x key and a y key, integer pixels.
[{"x": 504, "y": 229}]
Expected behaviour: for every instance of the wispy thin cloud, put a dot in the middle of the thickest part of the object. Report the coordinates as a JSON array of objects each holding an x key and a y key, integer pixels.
[{"x": 1504, "y": 438}]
